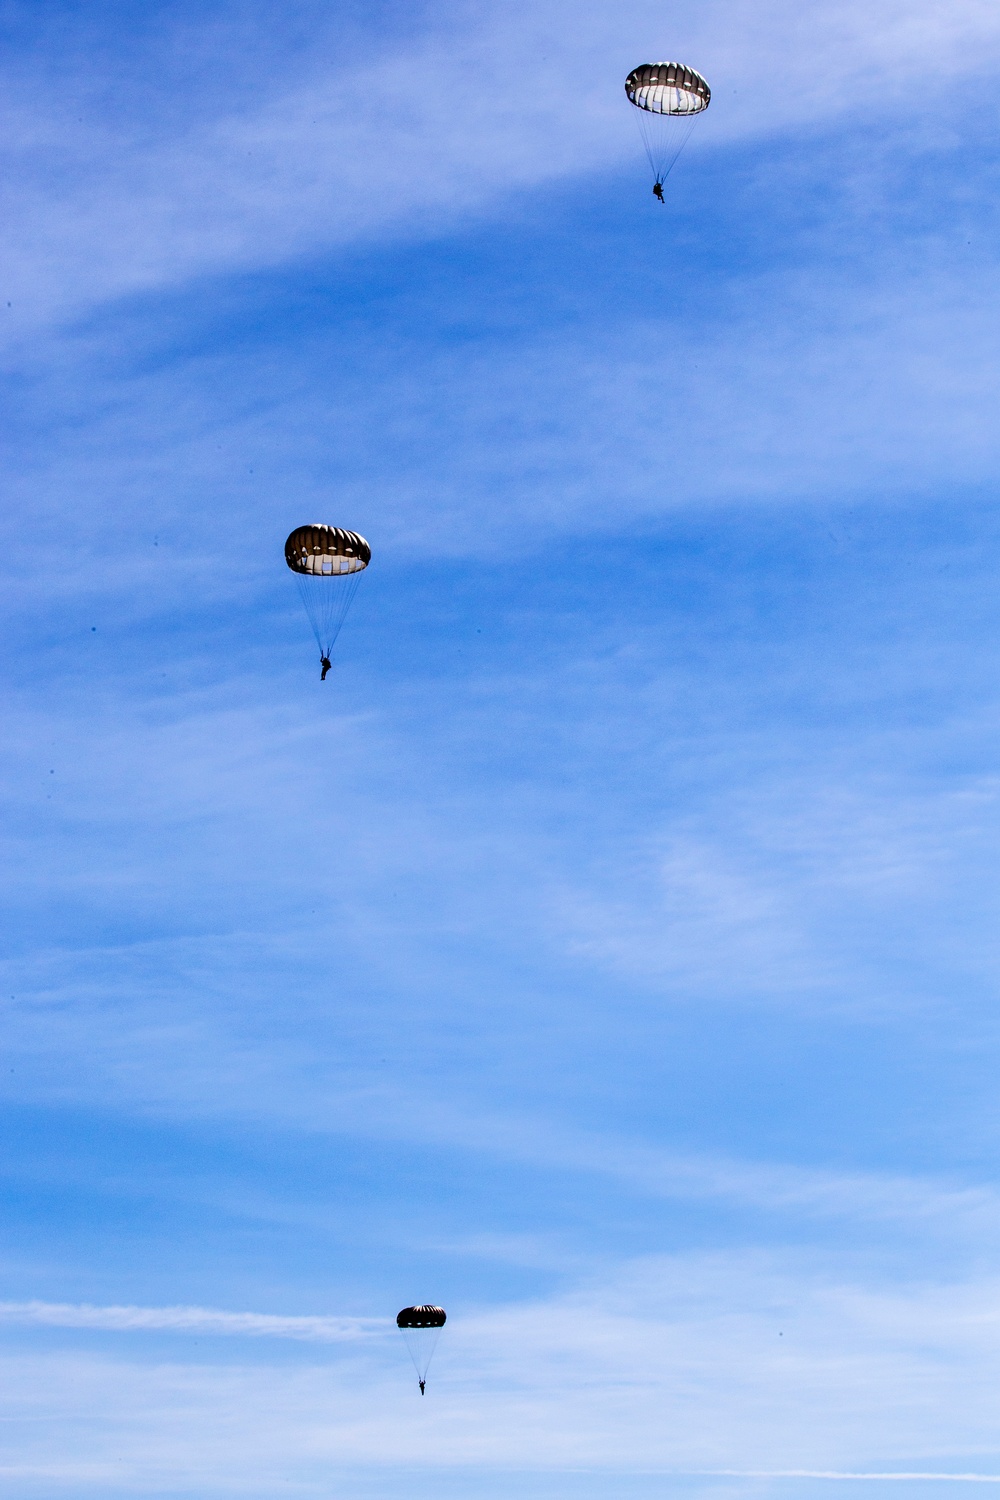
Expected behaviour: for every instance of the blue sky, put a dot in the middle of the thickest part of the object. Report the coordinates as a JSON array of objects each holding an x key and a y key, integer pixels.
[{"x": 608, "y": 949}]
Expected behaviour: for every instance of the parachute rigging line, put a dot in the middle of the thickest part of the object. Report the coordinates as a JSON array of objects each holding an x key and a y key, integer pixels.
[{"x": 662, "y": 154}]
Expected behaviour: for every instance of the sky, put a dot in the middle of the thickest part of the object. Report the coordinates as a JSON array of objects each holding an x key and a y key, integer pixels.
[{"x": 609, "y": 949}]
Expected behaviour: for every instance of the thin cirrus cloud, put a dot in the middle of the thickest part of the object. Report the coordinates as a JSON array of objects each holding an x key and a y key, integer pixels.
[
  {"x": 190, "y": 1320},
  {"x": 749, "y": 1363},
  {"x": 541, "y": 857},
  {"x": 494, "y": 102},
  {"x": 199, "y": 1070},
  {"x": 698, "y": 907},
  {"x": 855, "y": 382},
  {"x": 917, "y": 1475}
]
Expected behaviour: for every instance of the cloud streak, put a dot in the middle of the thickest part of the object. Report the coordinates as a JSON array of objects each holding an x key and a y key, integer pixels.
[
  {"x": 748, "y": 1366},
  {"x": 843, "y": 1474},
  {"x": 496, "y": 100},
  {"x": 191, "y": 1320}
]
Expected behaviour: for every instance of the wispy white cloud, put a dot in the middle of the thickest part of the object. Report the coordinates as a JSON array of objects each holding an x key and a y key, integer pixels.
[
  {"x": 190, "y": 1320},
  {"x": 741, "y": 1365},
  {"x": 704, "y": 903},
  {"x": 779, "y": 1188},
  {"x": 193, "y": 937},
  {"x": 841, "y": 1474},
  {"x": 482, "y": 103},
  {"x": 762, "y": 884},
  {"x": 868, "y": 376},
  {"x": 272, "y": 1082}
]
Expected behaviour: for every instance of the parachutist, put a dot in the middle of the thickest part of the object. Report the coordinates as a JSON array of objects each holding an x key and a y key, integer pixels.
[
  {"x": 668, "y": 98},
  {"x": 325, "y": 663},
  {"x": 421, "y": 1384}
]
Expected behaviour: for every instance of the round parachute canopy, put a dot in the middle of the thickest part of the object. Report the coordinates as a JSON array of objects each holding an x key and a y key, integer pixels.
[
  {"x": 668, "y": 98},
  {"x": 326, "y": 551},
  {"x": 327, "y": 562},
  {"x": 421, "y": 1317},
  {"x": 668, "y": 89}
]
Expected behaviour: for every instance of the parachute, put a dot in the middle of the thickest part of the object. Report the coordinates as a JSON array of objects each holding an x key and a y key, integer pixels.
[
  {"x": 668, "y": 98},
  {"x": 327, "y": 563},
  {"x": 421, "y": 1327}
]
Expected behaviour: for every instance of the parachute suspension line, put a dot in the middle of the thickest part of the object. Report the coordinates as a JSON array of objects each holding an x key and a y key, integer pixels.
[
  {"x": 663, "y": 144},
  {"x": 326, "y": 601},
  {"x": 684, "y": 136},
  {"x": 643, "y": 125},
  {"x": 421, "y": 1344},
  {"x": 305, "y": 596}
]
